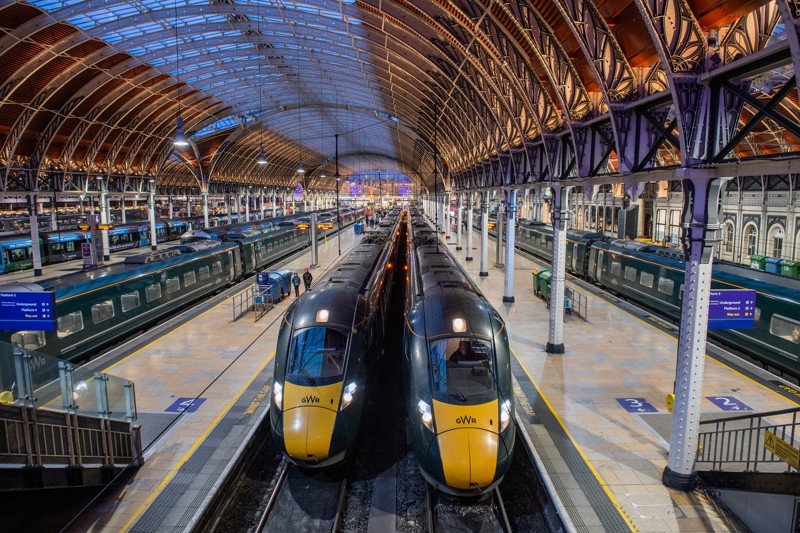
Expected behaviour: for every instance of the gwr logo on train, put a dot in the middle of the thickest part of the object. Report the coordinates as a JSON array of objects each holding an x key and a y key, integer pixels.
[
  {"x": 466, "y": 419},
  {"x": 310, "y": 399}
]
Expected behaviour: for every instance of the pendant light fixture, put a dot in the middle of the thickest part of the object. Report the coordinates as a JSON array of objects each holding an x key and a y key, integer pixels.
[{"x": 180, "y": 139}]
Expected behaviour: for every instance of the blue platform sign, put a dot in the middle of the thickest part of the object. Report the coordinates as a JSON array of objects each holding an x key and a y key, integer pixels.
[
  {"x": 34, "y": 311},
  {"x": 262, "y": 278},
  {"x": 732, "y": 309},
  {"x": 636, "y": 405},
  {"x": 185, "y": 405},
  {"x": 728, "y": 403}
]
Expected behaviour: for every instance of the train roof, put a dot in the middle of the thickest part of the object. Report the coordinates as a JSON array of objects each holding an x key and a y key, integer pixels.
[{"x": 75, "y": 283}]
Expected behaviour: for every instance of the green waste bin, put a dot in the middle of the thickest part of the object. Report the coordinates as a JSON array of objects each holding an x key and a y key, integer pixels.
[
  {"x": 543, "y": 284},
  {"x": 758, "y": 262},
  {"x": 790, "y": 269}
]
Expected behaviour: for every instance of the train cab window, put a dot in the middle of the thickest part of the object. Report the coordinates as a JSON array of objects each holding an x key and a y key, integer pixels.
[
  {"x": 646, "y": 279},
  {"x": 29, "y": 340},
  {"x": 189, "y": 279},
  {"x": 19, "y": 254},
  {"x": 630, "y": 272},
  {"x": 203, "y": 273},
  {"x": 102, "y": 311},
  {"x": 616, "y": 268},
  {"x": 69, "y": 324},
  {"x": 317, "y": 353},
  {"x": 217, "y": 267},
  {"x": 152, "y": 292},
  {"x": 786, "y": 328},
  {"x": 173, "y": 285},
  {"x": 666, "y": 286},
  {"x": 130, "y": 301},
  {"x": 462, "y": 367}
]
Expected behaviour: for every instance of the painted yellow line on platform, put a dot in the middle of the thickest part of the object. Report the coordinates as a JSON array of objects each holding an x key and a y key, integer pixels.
[
  {"x": 596, "y": 474},
  {"x": 196, "y": 444}
]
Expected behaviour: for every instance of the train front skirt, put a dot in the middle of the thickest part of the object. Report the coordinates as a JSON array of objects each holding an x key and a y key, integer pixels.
[{"x": 309, "y": 416}]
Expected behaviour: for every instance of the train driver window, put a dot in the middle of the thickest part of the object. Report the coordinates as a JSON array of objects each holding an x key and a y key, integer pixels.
[
  {"x": 317, "y": 353},
  {"x": 462, "y": 366},
  {"x": 785, "y": 328}
]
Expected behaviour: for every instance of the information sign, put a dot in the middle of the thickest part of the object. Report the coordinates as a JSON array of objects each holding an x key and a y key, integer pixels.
[
  {"x": 33, "y": 311},
  {"x": 262, "y": 278},
  {"x": 187, "y": 405},
  {"x": 731, "y": 309},
  {"x": 636, "y": 405},
  {"x": 86, "y": 254},
  {"x": 728, "y": 403}
]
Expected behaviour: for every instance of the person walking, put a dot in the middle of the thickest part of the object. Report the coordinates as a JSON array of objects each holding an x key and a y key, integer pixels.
[
  {"x": 307, "y": 277},
  {"x": 296, "y": 284}
]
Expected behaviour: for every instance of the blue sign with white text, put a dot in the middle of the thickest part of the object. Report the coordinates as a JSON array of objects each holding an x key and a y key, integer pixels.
[
  {"x": 262, "y": 278},
  {"x": 34, "y": 311},
  {"x": 731, "y": 309},
  {"x": 185, "y": 405},
  {"x": 728, "y": 403},
  {"x": 636, "y": 405}
]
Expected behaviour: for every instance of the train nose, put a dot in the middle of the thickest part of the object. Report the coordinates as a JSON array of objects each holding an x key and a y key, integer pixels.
[
  {"x": 469, "y": 457},
  {"x": 307, "y": 433}
]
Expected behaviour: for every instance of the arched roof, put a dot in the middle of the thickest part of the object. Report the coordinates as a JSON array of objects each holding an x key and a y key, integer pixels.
[{"x": 497, "y": 92}]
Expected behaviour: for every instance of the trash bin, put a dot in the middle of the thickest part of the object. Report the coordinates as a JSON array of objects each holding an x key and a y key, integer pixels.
[
  {"x": 357, "y": 228},
  {"x": 275, "y": 281},
  {"x": 543, "y": 284},
  {"x": 286, "y": 281},
  {"x": 774, "y": 265},
  {"x": 758, "y": 262},
  {"x": 790, "y": 269}
]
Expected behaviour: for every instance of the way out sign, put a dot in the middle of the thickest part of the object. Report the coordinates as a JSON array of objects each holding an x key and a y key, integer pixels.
[{"x": 779, "y": 447}]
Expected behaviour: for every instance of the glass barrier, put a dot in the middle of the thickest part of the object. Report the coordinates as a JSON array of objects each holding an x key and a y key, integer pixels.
[{"x": 43, "y": 381}]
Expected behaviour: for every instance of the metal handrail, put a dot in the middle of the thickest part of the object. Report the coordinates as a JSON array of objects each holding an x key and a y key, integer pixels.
[{"x": 739, "y": 440}]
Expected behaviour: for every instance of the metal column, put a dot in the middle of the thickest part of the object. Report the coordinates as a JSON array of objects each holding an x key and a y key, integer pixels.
[
  {"x": 104, "y": 220},
  {"x": 470, "y": 222},
  {"x": 314, "y": 243},
  {"x": 459, "y": 221},
  {"x": 498, "y": 231},
  {"x": 555, "y": 341},
  {"x": 205, "y": 209},
  {"x": 37, "y": 252},
  {"x": 511, "y": 211},
  {"x": 484, "y": 266},
  {"x": 274, "y": 207},
  {"x": 151, "y": 206},
  {"x": 247, "y": 206},
  {"x": 700, "y": 234}
]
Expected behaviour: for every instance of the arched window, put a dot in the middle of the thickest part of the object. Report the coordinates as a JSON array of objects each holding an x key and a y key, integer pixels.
[
  {"x": 729, "y": 237},
  {"x": 775, "y": 241},
  {"x": 751, "y": 239}
]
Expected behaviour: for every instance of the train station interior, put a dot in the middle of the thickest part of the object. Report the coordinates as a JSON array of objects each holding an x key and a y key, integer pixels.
[{"x": 618, "y": 182}]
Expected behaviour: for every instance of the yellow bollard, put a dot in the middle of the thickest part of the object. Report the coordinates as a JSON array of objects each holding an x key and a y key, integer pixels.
[{"x": 325, "y": 240}]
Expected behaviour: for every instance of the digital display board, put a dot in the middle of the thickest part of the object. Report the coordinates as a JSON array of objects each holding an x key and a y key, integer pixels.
[
  {"x": 732, "y": 309},
  {"x": 33, "y": 311}
]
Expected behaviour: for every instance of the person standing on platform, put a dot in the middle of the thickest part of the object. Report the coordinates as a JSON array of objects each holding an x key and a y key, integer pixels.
[
  {"x": 296, "y": 284},
  {"x": 307, "y": 277}
]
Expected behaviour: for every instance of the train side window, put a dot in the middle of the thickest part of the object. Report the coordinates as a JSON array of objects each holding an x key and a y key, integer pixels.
[
  {"x": 666, "y": 286},
  {"x": 152, "y": 292},
  {"x": 550, "y": 245},
  {"x": 630, "y": 273},
  {"x": 69, "y": 324},
  {"x": 616, "y": 268},
  {"x": 217, "y": 267},
  {"x": 203, "y": 273},
  {"x": 646, "y": 279},
  {"x": 30, "y": 340},
  {"x": 785, "y": 328},
  {"x": 102, "y": 311},
  {"x": 129, "y": 301},
  {"x": 173, "y": 285},
  {"x": 189, "y": 279}
]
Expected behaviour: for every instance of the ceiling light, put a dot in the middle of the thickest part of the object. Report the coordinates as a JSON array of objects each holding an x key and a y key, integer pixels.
[
  {"x": 262, "y": 159},
  {"x": 180, "y": 137}
]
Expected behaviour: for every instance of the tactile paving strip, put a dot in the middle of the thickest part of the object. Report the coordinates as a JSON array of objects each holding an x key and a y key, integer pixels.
[
  {"x": 209, "y": 461},
  {"x": 604, "y": 508}
]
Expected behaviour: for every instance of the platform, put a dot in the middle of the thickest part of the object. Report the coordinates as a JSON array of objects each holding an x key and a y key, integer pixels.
[{"x": 603, "y": 463}]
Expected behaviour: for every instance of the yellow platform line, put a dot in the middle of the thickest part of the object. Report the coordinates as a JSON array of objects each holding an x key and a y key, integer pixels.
[
  {"x": 600, "y": 480},
  {"x": 196, "y": 444}
]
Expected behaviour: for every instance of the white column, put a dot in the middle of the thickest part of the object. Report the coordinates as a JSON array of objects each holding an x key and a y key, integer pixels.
[
  {"x": 247, "y": 206},
  {"x": 104, "y": 220},
  {"x": 151, "y": 206},
  {"x": 37, "y": 252},
  {"x": 459, "y": 221},
  {"x": 555, "y": 341},
  {"x": 205, "y": 210},
  {"x": 511, "y": 210},
  {"x": 498, "y": 231},
  {"x": 484, "y": 266},
  {"x": 274, "y": 207}
]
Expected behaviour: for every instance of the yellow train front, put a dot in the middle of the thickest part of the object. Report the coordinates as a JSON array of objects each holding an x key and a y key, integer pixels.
[
  {"x": 457, "y": 374},
  {"x": 327, "y": 355}
]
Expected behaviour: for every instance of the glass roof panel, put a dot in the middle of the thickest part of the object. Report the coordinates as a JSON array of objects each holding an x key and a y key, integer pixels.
[
  {"x": 222, "y": 124},
  {"x": 53, "y": 5}
]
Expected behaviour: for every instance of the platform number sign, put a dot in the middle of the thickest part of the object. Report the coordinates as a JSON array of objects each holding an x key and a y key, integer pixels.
[
  {"x": 728, "y": 403},
  {"x": 185, "y": 405},
  {"x": 636, "y": 405}
]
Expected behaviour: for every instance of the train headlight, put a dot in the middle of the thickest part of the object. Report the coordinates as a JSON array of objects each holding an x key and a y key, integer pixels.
[
  {"x": 348, "y": 394},
  {"x": 277, "y": 393},
  {"x": 505, "y": 415},
  {"x": 425, "y": 414}
]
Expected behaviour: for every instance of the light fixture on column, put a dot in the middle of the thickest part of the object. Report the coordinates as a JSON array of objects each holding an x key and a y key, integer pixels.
[{"x": 180, "y": 139}]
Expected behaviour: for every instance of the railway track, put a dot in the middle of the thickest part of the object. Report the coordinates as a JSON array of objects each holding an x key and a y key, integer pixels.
[{"x": 447, "y": 514}]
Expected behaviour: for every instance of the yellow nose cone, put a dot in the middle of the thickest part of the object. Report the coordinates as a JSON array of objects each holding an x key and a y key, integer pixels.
[{"x": 308, "y": 419}]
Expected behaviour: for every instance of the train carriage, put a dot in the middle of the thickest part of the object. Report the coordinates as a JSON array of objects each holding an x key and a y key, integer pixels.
[{"x": 457, "y": 373}]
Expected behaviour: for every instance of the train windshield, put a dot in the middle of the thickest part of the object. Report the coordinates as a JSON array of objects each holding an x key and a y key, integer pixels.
[
  {"x": 462, "y": 367},
  {"x": 317, "y": 353}
]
